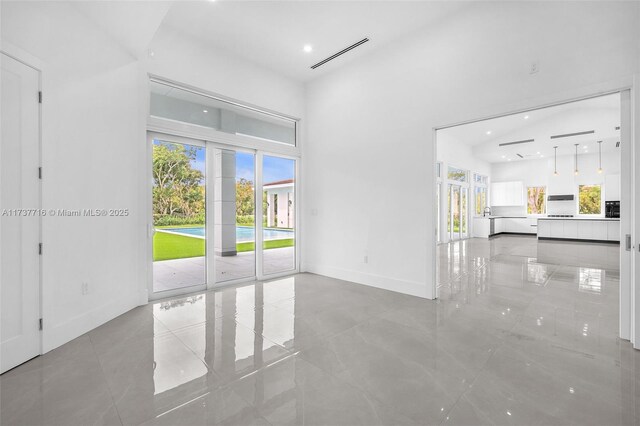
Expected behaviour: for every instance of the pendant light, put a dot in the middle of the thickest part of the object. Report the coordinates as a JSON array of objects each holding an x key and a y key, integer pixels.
[
  {"x": 555, "y": 161},
  {"x": 600, "y": 157},
  {"x": 575, "y": 172}
]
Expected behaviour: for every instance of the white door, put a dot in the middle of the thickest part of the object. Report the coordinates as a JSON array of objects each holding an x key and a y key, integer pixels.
[{"x": 19, "y": 231}]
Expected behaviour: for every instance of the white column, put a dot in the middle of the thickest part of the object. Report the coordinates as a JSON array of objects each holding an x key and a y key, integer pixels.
[{"x": 225, "y": 203}]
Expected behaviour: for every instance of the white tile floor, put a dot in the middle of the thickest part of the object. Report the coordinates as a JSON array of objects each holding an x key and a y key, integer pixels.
[{"x": 524, "y": 333}]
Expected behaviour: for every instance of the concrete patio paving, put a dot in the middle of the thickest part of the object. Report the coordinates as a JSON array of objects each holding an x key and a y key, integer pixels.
[{"x": 181, "y": 273}]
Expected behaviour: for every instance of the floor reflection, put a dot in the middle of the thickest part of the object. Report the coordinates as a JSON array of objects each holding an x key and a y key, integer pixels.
[{"x": 523, "y": 332}]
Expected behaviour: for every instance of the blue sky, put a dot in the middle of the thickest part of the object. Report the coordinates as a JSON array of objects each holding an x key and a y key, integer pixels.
[{"x": 274, "y": 168}]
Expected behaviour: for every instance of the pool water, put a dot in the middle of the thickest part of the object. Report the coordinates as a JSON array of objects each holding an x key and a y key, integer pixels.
[{"x": 243, "y": 233}]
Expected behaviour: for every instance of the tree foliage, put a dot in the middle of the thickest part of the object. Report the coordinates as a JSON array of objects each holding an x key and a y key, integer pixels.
[
  {"x": 590, "y": 199},
  {"x": 244, "y": 197},
  {"x": 535, "y": 200},
  {"x": 178, "y": 188}
]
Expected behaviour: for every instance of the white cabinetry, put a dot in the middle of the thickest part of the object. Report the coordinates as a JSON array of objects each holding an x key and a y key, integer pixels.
[
  {"x": 544, "y": 229},
  {"x": 570, "y": 229},
  {"x": 481, "y": 227},
  {"x": 516, "y": 225},
  {"x": 613, "y": 231},
  {"x": 507, "y": 193},
  {"x": 576, "y": 229}
]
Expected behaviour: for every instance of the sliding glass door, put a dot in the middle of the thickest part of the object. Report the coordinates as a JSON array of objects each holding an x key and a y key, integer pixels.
[
  {"x": 234, "y": 214},
  {"x": 205, "y": 221},
  {"x": 179, "y": 197},
  {"x": 278, "y": 214}
]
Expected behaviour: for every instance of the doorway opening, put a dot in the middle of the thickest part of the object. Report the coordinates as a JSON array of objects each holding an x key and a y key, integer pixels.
[{"x": 554, "y": 175}]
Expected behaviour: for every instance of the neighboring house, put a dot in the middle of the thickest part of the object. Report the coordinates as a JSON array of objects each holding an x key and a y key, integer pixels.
[{"x": 281, "y": 206}]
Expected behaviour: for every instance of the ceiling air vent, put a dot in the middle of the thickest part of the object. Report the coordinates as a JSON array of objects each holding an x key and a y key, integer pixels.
[
  {"x": 519, "y": 155},
  {"x": 566, "y": 135},
  {"x": 342, "y": 52},
  {"x": 516, "y": 142}
]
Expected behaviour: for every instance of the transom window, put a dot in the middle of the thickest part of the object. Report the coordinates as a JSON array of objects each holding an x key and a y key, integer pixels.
[{"x": 457, "y": 174}]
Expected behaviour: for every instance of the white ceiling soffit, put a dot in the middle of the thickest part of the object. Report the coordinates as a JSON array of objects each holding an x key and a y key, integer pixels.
[
  {"x": 515, "y": 132},
  {"x": 273, "y": 34},
  {"x": 131, "y": 23}
]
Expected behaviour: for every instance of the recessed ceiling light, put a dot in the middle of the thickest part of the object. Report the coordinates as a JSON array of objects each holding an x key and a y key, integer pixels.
[
  {"x": 504, "y": 156},
  {"x": 538, "y": 152},
  {"x": 205, "y": 111},
  {"x": 508, "y": 159},
  {"x": 585, "y": 147},
  {"x": 526, "y": 117},
  {"x": 488, "y": 132},
  {"x": 307, "y": 48}
]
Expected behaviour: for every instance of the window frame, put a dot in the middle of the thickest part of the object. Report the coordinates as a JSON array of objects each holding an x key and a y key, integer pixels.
[
  {"x": 602, "y": 205},
  {"x": 483, "y": 183},
  {"x": 459, "y": 182}
]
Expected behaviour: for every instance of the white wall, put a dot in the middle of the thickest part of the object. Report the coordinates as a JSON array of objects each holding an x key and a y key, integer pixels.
[
  {"x": 370, "y": 138},
  {"x": 94, "y": 145},
  {"x": 541, "y": 173}
]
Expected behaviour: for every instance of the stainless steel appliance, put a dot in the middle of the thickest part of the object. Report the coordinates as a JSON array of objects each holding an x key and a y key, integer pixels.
[
  {"x": 612, "y": 209},
  {"x": 565, "y": 197}
]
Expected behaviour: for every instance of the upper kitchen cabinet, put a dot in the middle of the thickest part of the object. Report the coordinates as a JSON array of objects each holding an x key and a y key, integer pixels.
[
  {"x": 507, "y": 194},
  {"x": 612, "y": 188}
]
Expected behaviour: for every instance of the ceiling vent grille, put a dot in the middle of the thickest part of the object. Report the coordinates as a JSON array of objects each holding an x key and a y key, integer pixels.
[
  {"x": 520, "y": 155},
  {"x": 566, "y": 135},
  {"x": 342, "y": 52},
  {"x": 516, "y": 142}
]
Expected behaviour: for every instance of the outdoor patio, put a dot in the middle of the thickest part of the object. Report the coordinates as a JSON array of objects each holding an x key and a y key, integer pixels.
[{"x": 180, "y": 273}]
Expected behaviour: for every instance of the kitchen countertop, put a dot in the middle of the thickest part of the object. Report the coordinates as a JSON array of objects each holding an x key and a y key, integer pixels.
[
  {"x": 501, "y": 217},
  {"x": 609, "y": 219}
]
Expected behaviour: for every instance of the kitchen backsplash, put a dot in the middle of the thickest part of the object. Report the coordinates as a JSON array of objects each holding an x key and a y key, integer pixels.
[{"x": 553, "y": 207}]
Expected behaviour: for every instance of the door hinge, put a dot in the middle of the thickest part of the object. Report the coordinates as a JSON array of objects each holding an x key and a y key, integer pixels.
[
  {"x": 39, "y": 172},
  {"x": 39, "y": 248},
  {"x": 40, "y": 325},
  {"x": 40, "y": 97}
]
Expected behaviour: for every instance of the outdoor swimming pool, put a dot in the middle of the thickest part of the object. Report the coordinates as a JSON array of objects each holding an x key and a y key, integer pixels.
[{"x": 243, "y": 233}]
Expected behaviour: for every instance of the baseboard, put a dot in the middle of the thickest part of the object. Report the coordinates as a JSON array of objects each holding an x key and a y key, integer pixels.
[
  {"x": 413, "y": 288},
  {"x": 578, "y": 240},
  {"x": 55, "y": 335},
  {"x": 513, "y": 233}
]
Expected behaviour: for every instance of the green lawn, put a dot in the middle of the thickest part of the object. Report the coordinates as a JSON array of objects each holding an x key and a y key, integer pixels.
[{"x": 171, "y": 246}]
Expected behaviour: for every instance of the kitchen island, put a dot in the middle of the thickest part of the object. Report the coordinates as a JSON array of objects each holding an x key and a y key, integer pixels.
[{"x": 599, "y": 229}]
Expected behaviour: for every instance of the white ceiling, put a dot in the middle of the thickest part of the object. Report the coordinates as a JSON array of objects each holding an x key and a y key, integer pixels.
[
  {"x": 600, "y": 114},
  {"x": 270, "y": 34},
  {"x": 273, "y": 34}
]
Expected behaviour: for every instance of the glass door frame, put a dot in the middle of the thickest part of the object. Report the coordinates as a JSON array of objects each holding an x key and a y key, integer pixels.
[
  {"x": 151, "y": 136},
  {"x": 210, "y": 145},
  {"x": 462, "y": 188}
]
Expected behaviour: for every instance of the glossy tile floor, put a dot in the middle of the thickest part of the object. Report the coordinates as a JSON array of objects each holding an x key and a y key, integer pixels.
[{"x": 523, "y": 333}]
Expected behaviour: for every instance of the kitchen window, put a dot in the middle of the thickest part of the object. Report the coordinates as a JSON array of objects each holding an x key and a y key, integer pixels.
[
  {"x": 536, "y": 200},
  {"x": 590, "y": 199}
]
